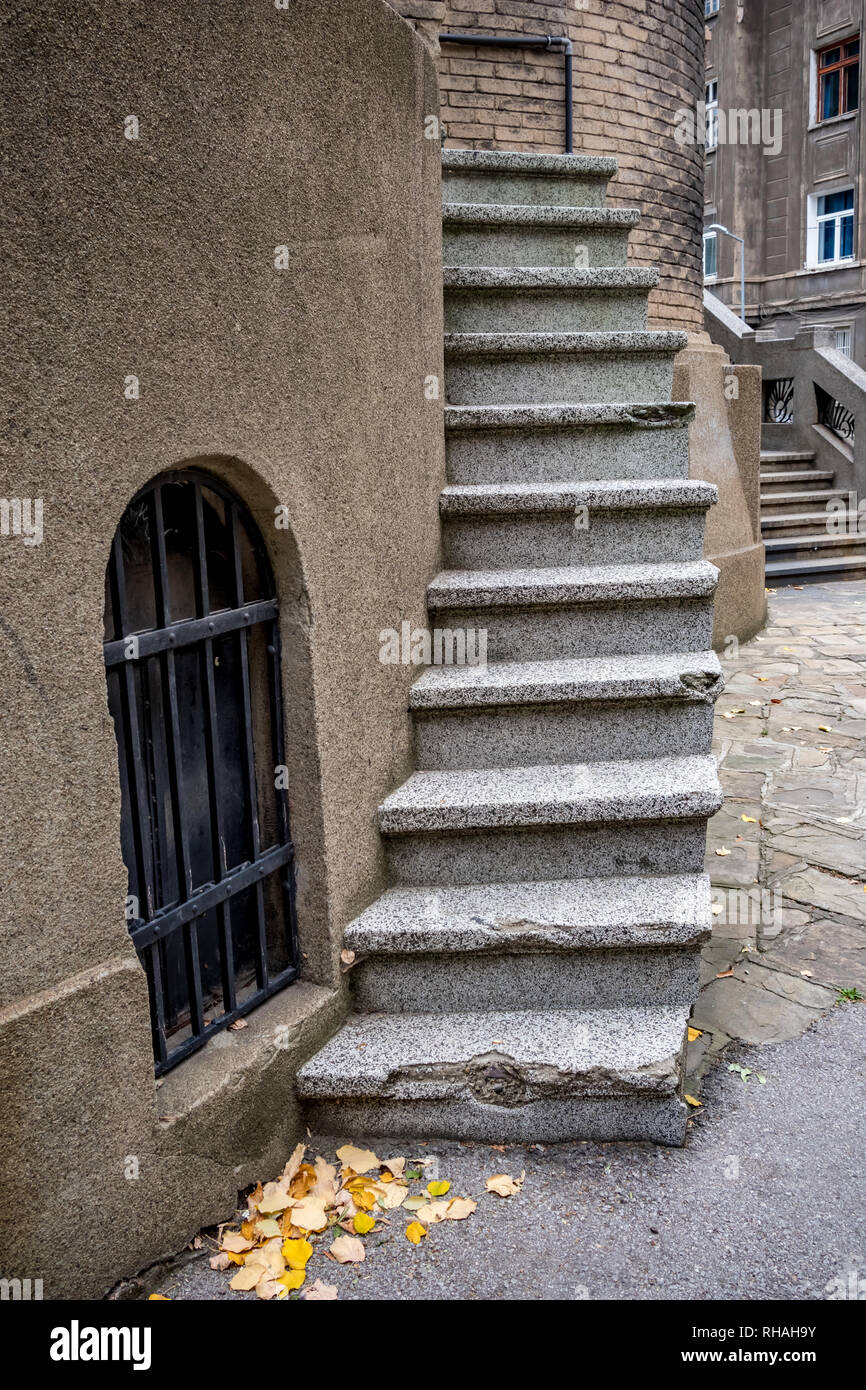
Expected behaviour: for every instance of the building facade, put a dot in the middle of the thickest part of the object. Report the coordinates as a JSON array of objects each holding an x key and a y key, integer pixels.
[{"x": 784, "y": 165}]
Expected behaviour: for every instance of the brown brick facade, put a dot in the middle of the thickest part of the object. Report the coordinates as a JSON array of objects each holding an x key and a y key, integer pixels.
[{"x": 636, "y": 63}]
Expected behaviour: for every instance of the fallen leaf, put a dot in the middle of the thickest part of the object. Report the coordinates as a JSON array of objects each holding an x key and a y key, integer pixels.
[
  {"x": 347, "y": 957},
  {"x": 320, "y": 1293},
  {"x": 234, "y": 1241},
  {"x": 824, "y": 729},
  {"x": 238, "y": 1024},
  {"x": 275, "y": 1196},
  {"x": 359, "y": 1160},
  {"x": 438, "y": 1189},
  {"x": 415, "y": 1232},
  {"x": 309, "y": 1215},
  {"x": 294, "y": 1163},
  {"x": 414, "y": 1203},
  {"x": 267, "y": 1227},
  {"x": 695, "y": 1033},
  {"x": 431, "y": 1212},
  {"x": 722, "y": 850},
  {"x": 220, "y": 1261},
  {"x": 296, "y": 1253},
  {"x": 393, "y": 1195},
  {"x": 158, "y": 1298},
  {"x": 348, "y": 1250},
  {"x": 504, "y": 1185},
  {"x": 691, "y": 1100},
  {"x": 246, "y": 1279},
  {"x": 750, "y": 820},
  {"x": 268, "y": 1288},
  {"x": 723, "y": 974},
  {"x": 292, "y": 1279},
  {"x": 459, "y": 1208},
  {"x": 717, "y": 909},
  {"x": 395, "y": 1166},
  {"x": 363, "y": 1223}
]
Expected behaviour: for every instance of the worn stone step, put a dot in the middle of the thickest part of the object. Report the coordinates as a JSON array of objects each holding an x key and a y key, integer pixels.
[
  {"x": 539, "y": 368},
  {"x": 519, "y": 525},
  {"x": 514, "y": 235},
  {"x": 503, "y": 1076},
  {"x": 547, "y": 822},
  {"x": 805, "y": 546},
  {"x": 592, "y": 610},
  {"x": 567, "y": 443},
  {"x": 577, "y": 915},
  {"x": 791, "y": 503},
  {"x": 516, "y": 714},
  {"x": 520, "y": 300},
  {"x": 512, "y": 177},
  {"x": 780, "y": 456},
  {"x": 780, "y": 572},
  {"x": 799, "y": 523},
  {"x": 590, "y": 942},
  {"x": 803, "y": 480}
]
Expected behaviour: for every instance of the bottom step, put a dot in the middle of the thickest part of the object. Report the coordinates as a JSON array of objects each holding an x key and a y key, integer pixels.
[{"x": 550, "y": 1076}]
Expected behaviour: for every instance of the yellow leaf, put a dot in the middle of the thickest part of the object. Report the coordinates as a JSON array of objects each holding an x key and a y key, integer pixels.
[
  {"x": 364, "y": 1198},
  {"x": 750, "y": 820},
  {"x": 158, "y": 1298},
  {"x": 246, "y": 1279},
  {"x": 694, "y": 1033},
  {"x": 415, "y": 1232},
  {"x": 359, "y": 1160},
  {"x": 438, "y": 1189},
  {"x": 296, "y": 1253},
  {"x": 825, "y": 728},
  {"x": 691, "y": 1101},
  {"x": 293, "y": 1278},
  {"x": 266, "y": 1228},
  {"x": 363, "y": 1223}
]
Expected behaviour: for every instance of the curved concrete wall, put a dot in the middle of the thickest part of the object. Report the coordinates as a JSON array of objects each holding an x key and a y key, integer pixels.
[{"x": 298, "y": 376}]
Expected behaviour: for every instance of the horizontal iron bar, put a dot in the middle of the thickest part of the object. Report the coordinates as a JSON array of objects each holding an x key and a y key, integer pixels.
[
  {"x": 189, "y": 630},
  {"x": 219, "y": 1024},
  {"x": 549, "y": 41},
  {"x": 212, "y": 895}
]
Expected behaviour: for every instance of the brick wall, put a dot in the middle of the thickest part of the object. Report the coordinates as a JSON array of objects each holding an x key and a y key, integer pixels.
[{"x": 636, "y": 62}]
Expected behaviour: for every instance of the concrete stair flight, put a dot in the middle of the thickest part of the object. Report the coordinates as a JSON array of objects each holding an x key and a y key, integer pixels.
[
  {"x": 529, "y": 973},
  {"x": 808, "y": 531}
]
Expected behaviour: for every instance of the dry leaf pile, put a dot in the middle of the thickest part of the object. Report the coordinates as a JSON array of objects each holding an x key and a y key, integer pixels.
[{"x": 310, "y": 1206}]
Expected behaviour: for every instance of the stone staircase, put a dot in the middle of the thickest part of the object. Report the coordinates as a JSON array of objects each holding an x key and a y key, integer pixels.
[
  {"x": 529, "y": 974},
  {"x": 798, "y": 543}
]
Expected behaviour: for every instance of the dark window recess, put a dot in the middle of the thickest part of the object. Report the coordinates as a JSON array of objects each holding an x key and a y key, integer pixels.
[
  {"x": 193, "y": 665},
  {"x": 839, "y": 79}
]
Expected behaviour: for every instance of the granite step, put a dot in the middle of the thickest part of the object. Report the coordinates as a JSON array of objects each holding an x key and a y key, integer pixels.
[
  {"x": 488, "y": 234},
  {"x": 790, "y": 503},
  {"x": 515, "y": 300},
  {"x": 518, "y": 714},
  {"x": 507, "y": 177},
  {"x": 547, "y": 822},
  {"x": 553, "y": 368},
  {"x": 811, "y": 523},
  {"x": 499, "y": 1076},
  {"x": 587, "y": 943},
  {"x": 519, "y": 525},
  {"x": 567, "y": 443},
  {"x": 801, "y": 480},
  {"x": 778, "y": 457},
  {"x": 592, "y": 610},
  {"x": 814, "y": 571}
]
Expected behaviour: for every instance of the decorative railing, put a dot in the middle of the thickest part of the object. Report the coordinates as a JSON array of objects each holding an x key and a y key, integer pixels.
[
  {"x": 779, "y": 401},
  {"x": 834, "y": 416}
]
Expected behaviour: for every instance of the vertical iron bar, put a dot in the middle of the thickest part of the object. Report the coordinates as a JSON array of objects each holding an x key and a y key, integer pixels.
[
  {"x": 212, "y": 757},
  {"x": 178, "y": 807},
  {"x": 157, "y": 1022},
  {"x": 287, "y": 875},
  {"x": 252, "y": 791}
]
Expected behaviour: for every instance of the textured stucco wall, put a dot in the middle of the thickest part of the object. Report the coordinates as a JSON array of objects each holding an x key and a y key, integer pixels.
[{"x": 258, "y": 127}]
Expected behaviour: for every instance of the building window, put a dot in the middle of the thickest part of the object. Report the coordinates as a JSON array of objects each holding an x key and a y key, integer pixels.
[
  {"x": 711, "y": 7},
  {"x": 833, "y": 228},
  {"x": 711, "y": 242},
  {"x": 842, "y": 340},
  {"x": 192, "y": 660},
  {"x": 711, "y": 105},
  {"x": 839, "y": 79}
]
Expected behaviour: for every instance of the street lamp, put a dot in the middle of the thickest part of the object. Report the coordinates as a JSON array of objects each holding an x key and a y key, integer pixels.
[{"x": 717, "y": 227}]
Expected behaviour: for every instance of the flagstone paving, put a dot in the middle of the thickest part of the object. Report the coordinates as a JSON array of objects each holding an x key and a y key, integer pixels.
[{"x": 787, "y": 852}]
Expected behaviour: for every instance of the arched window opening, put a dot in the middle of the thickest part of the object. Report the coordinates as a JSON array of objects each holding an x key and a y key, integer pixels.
[{"x": 192, "y": 659}]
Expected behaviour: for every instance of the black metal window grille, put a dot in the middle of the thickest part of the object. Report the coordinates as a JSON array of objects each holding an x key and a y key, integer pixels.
[{"x": 192, "y": 660}]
